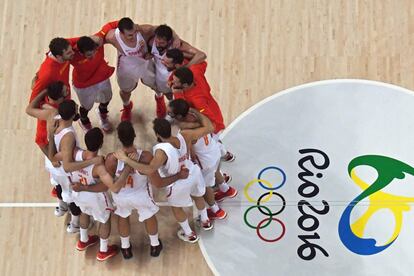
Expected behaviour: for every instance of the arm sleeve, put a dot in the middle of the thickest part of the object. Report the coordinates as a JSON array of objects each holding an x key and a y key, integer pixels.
[{"x": 106, "y": 28}]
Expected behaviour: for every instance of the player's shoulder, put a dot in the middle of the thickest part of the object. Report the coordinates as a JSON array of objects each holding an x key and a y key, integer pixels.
[{"x": 145, "y": 157}]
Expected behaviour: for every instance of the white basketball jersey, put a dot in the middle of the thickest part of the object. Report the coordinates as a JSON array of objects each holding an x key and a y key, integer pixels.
[
  {"x": 207, "y": 150},
  {"x": 161, "y": 72},
  {"x": 172, "y": 166},
  {"x": 139, "y": 50},
  {"x": 83, "y": 176},
  {"x": 135, "y": 181},
  {"x": 184, "y": 155},
  {"x": 59, "y": 136}
]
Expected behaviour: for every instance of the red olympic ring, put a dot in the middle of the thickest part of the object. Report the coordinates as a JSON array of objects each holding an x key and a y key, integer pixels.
[{"x": 268, "y": 240}]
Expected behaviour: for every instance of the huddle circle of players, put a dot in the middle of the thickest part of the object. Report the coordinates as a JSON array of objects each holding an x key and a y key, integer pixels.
[{"x": 185, "y": 164}]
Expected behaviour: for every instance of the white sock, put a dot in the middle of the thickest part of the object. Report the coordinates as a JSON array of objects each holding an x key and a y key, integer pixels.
[
  {"x": 214, "y": 208},
  {"x": 125, "y": 103},
  {"x": 186, "y": 227},
  {"x": 74, "y": 220},
  {"x": 154, "y": 240},
  {"x": 203, "y": 215},
  {"x": 84, "y": 235},
  {"x": 125, "y": 242},
  {"x": 224, "y": 187},
  {"x": 103, "y": 246}
]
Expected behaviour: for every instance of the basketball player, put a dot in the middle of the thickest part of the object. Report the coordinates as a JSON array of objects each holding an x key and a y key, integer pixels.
[
  {"x": 159, "y": 45},
  {"x": 205, "y": 152},
  {"x": 134, "y": 60},
  {"x": 90, "y": 76},
  {"x": 91, "y": 197},
  {"x": 42, "y": 107},
  {"x": 169, "y": 155},
  {"x": 62, "y": 139},
  {"x": 137, "y": 193},
  {"x": 54, "y": 68}
]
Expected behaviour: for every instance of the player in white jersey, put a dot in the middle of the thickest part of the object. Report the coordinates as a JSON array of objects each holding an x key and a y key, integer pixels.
[
  {"x": 42, "y": 107},
  {"x": 169, "y": 155},
  {"x": 205, "y": 152},
  {"x": 62, "y": 139},
  {"x": 90, "y": 195},
  {"x": 134, "y": 61},
  {"x": 159, "y": 45},
  {"x": 137, "y": 193}
]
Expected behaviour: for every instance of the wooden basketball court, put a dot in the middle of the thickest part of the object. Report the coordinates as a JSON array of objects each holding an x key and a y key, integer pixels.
[{"x": 254, "y": 49}]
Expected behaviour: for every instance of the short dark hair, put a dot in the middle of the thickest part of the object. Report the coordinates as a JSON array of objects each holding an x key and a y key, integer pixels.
[
  {"x": 85, "y": 44},
  {"x": 176, "y": 55},
  {"x": 126, "y": 133},
  {"x": 164, "y": 31},
  {"x": 184, "y": 75},
  {"x": 55, "y": 90},
  {"x": 162, "y": 127},
  {"x": 67, "y": 109},
  {"x": 179, "y": 107},
  {"x": 125, "y": 23},
  {"x": 94, "y": 139},
  {"x": 58, "y": 45}
]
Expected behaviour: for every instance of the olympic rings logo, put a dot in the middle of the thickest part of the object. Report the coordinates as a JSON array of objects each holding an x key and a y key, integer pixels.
[{"x": 265, "y": 197}]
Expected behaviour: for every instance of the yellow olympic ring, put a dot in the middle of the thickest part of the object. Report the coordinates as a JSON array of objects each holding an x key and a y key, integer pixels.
[{"x": 267, "y": 183}]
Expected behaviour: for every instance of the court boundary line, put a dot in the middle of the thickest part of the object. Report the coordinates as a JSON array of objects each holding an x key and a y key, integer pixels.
[{"x": 48, "y": 204}]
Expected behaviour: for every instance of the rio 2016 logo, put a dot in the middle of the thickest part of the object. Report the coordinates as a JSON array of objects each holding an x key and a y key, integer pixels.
[{"x": 388, "y": 169}]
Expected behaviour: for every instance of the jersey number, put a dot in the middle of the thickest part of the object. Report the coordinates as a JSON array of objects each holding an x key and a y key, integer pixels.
[
  {"x": 83, "y": 180},
  {"x": 206, "y": 140},
  {"x": 130, "y": 181}
]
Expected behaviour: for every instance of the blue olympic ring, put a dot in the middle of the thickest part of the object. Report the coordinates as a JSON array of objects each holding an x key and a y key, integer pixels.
[{"x": 268, "y": 168}]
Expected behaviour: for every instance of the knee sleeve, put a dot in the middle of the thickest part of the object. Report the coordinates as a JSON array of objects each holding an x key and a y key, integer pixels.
[{"x": 74, "y": 209}]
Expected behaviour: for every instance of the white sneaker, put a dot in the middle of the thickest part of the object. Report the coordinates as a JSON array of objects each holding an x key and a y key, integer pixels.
[
  {"x": 193, "y": 238},
  {"x": 208, "y": 225},
  {"x": 71, "y": 228},
  {"x": 60, "y": 211},
  {"x": 104, "y": 122}
]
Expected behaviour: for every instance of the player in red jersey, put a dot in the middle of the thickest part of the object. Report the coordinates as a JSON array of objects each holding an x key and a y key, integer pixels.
[
  {"x": 91, "y": 74},
  {"x": 54, "y": 68}
]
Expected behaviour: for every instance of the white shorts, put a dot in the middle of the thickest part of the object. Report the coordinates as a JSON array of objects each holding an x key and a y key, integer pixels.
[
  {"x": 131, "y": 69},
  {"x": 97, "y": 93},
  {"x": 179, "y": 193},
  {"x": 139, "y": 200},
  {"x": 161, "y": 78},
  {"x": 209, "y": 174},
  {"x": 97, "y": 205},
  {"x": 216, "y": 136},
  {"x": 64, "y": 182}
]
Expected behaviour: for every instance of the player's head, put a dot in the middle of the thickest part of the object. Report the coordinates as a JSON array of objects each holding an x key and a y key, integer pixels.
[
  {"x": 178, "y": 109},
  {"x": 87, "y": 46},
  {"x": 57, "y": 91},
  {"x": 61, "y": 49},
  {"x": 94, "y": 139},
  {"x": 68, "y": 110},
  {"x": 173, "y": 59},
  {"x": 163, "y": 36},
  {"x": 182, "y": 78},
  {"x": 127, "y": 28},
  {"x": 162, "y": 129},
  {"x": 126, "y": 133}
]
